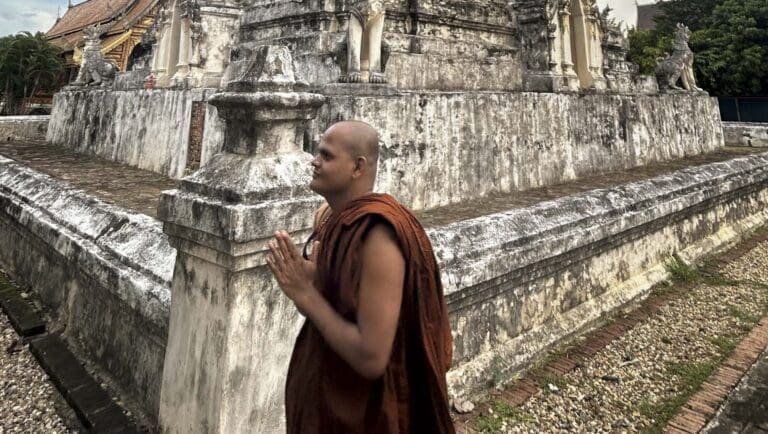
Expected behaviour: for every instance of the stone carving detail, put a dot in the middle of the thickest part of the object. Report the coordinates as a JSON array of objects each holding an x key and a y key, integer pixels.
[
  {"x": 364, "y": 47},
  {"x": 95, "y": 69},
  {"x": 266, "y": 67},
  {"x": 571, "y": 45},
  {"x": 619, "y": 72},
  {"x": 678, "y": 65}
]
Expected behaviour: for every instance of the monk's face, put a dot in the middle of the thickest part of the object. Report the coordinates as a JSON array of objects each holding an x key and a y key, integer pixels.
[{"x": 334, "y": 167}]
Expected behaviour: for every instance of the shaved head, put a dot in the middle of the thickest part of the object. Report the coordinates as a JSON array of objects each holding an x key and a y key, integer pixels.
[
  {"x": 359, "y": 139},
  {"x": 346, "y": 162}
]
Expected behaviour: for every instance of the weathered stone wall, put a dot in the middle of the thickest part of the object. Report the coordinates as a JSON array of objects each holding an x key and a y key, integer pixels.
[
  {"x": 103, "y": 273},
  {"x": 457, "y": 45},
  {"x": 23, "y": 128},
  {"x": 516, "y": 282},
  {"x": 148, "y": 129},
  {"x": 444, "y": 148},
  {"x": 746, "y": 134},
  {"x": 520, "y": 281}
]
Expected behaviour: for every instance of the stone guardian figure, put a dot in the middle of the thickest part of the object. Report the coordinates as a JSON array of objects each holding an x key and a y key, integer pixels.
[
  {"x": 678, "y": 65},
  {"x": 364, "y": 43},
  {"x": 95, "y": 69}
]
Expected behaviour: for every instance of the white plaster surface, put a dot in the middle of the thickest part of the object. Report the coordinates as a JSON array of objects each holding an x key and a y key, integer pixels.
[
  {"x": 102, "y": 271},
  {"x": 23, "y": 128},
  {"x": 148, "y": 129},
  {"x": 746, "y": 134},
  {"x": 444, "y": 148}
]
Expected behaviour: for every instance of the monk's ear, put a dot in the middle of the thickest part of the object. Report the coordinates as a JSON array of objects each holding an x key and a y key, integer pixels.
[{"x": 361, "y": 165}]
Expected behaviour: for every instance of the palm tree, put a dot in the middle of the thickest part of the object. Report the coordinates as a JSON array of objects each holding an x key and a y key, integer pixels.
[{"x": 28, "y": 64}]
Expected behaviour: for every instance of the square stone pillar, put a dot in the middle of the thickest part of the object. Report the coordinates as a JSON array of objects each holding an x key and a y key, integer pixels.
[{"x": 231, "y": 329}]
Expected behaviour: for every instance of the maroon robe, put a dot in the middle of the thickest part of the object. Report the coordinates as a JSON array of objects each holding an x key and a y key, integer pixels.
[{"x": 323, "y": 393}]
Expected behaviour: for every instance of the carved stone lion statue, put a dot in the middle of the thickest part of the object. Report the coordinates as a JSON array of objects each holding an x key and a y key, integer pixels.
[
  {"x": 678, "y": 65},
  {"x": 95, "y": 69}
]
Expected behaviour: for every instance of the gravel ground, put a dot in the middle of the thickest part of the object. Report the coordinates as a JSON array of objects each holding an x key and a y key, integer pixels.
[
  {"x": 28, "y": 401},
  {"x": 637, "y": 377}
]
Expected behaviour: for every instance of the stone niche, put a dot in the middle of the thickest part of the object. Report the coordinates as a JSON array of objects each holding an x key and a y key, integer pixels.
[
  {"x": 192, "y": 40},
  {"x": 427, "y": 44},
  {"x": 570, "y": 45}
]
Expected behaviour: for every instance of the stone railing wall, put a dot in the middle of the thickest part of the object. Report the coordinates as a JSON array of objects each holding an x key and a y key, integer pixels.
[
  {"x": 148, "y": 129},
  {"x": 746, "y": 134},
  {"x": 102, "y": 272},
  {"x": 23, "y": 128}
]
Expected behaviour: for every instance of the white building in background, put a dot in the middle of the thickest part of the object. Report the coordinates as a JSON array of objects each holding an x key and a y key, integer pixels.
[{"x": 624, "y": 11}]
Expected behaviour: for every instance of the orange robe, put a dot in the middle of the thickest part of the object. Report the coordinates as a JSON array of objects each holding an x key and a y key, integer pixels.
[{"x": 323, "y": 393}]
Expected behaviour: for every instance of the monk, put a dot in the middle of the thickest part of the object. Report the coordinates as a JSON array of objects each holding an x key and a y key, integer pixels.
[{"x": 372, "y": 355}]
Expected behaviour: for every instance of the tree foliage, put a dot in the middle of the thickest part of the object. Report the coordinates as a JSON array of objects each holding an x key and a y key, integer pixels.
[
  {"x": 729, "y": 40},
  {"x": 28, "y": 64},
  {"x": 696, "y": 14},
  {"x": 645, "y": 46},
  {"x": 732, "y": 52}
]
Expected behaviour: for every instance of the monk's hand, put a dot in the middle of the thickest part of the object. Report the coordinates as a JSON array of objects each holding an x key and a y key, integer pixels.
[{"x": 293, "y": 273}]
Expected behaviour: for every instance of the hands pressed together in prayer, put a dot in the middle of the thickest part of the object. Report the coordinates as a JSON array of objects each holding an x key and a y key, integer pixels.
[{"x": 293, "y": 273}]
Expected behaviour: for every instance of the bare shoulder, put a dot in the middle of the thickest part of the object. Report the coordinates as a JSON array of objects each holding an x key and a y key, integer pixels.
[
  {"x": 383, "y": 263},
  {"x": 381, "y": 243},
  {"x": 381, "y": 233}
]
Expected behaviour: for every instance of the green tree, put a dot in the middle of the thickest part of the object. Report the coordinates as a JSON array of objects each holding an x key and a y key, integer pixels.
[
  {"x": 28, "y": 64},
  {"x": 645, "y": 46},
  {"x": 696, "y": 14},
  {"x": 729, "y": 40},
  {"x": 731, "y": 54}
]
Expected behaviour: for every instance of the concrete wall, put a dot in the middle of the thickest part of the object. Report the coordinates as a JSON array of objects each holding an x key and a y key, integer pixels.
[
  {"x": 444, "y": 148},
  {"x": 746, "y": 134},
  {"x": 23, "y": 128},
  {"x": 148, "y": 129},
  {"x": 103, "y": 273},
  {"x": 517, "y": 282}
]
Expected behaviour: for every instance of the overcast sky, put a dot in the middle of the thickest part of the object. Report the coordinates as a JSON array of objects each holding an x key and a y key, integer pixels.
[
  {"x": 30, "y": 15},
  {"x": 40, "y": 15}
]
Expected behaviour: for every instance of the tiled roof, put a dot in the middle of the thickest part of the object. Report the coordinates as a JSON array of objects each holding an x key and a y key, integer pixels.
[
  {"x": 86, "y": 13},
  {"x": 68, "y": 32},
  {"x": 136, "y": 12},
  {"x": 646, "y": 14}
]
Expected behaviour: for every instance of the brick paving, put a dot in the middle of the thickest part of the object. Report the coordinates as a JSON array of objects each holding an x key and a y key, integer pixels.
[
  {"x": 139, "y": 190},
  {"x": 700, "y": 409},
  {"x": 746, "y": 410}
]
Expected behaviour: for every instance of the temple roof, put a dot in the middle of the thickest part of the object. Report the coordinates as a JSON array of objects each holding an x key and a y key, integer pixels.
[{"x": 117, "y": 16}]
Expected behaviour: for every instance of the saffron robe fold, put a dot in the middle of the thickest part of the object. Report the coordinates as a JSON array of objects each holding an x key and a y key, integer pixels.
[{"x": 323, "y": 393}]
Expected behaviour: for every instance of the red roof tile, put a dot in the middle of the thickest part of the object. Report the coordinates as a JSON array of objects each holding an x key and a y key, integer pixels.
[{"x": 88, "y": 12}]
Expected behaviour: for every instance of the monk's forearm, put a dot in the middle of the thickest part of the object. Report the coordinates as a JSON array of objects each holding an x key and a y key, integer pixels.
[{"x": 344, "y": 337}]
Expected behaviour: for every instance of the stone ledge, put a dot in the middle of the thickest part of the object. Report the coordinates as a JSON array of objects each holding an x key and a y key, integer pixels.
[
  {"x": 474, "y": 251},
  {"x": 746, "y": 134},
  {"x": 21, "y": 315},
  {"x": 125, "y": 251},
  {"x": 531, "y": 277},
  {"x": 91, "y": 403}
]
